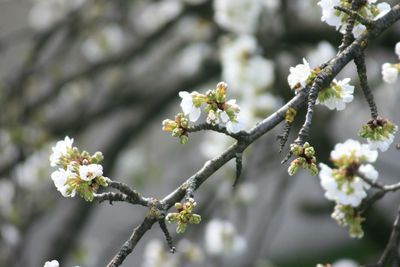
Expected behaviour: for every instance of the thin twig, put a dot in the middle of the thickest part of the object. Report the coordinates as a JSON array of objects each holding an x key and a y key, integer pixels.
[{"x": 134, "y": 196}]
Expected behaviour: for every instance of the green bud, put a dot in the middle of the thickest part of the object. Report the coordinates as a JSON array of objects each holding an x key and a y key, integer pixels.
[
  {"x": 184, "y": 122},
  {"x": 178, "y": 206},
  {"x": 181, "y": 228},
  {"x": 172, "y": 217},
  {"x": 313, "y": 169},
  {"x": 296, "y": 149},
  {"x": 184, "y": 139},
  {"x": 309, "y": 152},
  {"x": 198, "y": 99},
  {"x": 195, "y": 219},
  {"x": 177, "y": 132},
  {"x": 220, "y": 92},
  {"x": 85, "y": 154},
  {"x": 293, "y": 168},
  {"x": 169, "y": 125},
  {"x": 97, "y": 157}
]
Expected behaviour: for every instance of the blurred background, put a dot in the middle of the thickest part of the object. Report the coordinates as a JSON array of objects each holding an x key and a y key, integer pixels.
[{"x": 108, "y": 72}]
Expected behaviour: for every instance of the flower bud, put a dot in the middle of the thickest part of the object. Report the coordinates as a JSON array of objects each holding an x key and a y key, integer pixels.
[
  {"x": 293, "y": 168},
  {"x": 97, "y": 157},
  {"x": 309, "y": 152},
  {"x": 184, "y": 139},
  {"x": 198, "y": 99},
  {"x": 181, "y": 228},
  {"x": 177, "y": 132},
  {"x": 313, "y": 169},
  {"x": 195, "y": 219},
  {"x": 169, "y": 125},
  {"x": 220, "y": 92},
  {"x": 296, "y": 149}
]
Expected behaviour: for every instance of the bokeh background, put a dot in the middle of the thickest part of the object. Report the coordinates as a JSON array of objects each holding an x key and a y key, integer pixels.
[{"x": 108, "y": 72}]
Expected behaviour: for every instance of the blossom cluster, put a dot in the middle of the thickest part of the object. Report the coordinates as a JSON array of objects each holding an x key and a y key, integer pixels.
[
  {"x": 369, "y": 9},
  {"x": 221, "y": 238},
  {"x": 78, "y": 172},
  {"x": 345, "y": 183},
  {"x": 334, "y": 96},
  {"x": 390, "y": 71},
  {"x": 155, "y": 254},
  {"x": 305, "y": 159},
  {"x": 237, "y": 16},
  {"x": 379, "y": 133},
  {"x": 214, "y": 103},
  {"x": 184, "y": 215}
]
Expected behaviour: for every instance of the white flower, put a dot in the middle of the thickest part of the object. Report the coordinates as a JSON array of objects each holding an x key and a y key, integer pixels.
[
  {"x": 383, "y": 9},
  {"x": 348, "y": 192},
  {"x": 106, "y": 41},
  {"x": 358, "y": 30},
  {"x": 369, "y": 172},
  {"x": 214, "y": 144},
  {"x": 60, "y": 150},
  {"x": 7, "y": 193},
  {"x": 235, "y": 126},
  {"x": 34, "y": 169},
  {"x": 390, "y": 72},
  {"x": 52, "y": 263},
  {"x": 329, "y": 14},
  {"x": 60, "y": 178},
  {"x": 337, "y": 95},
  {"x": 354, "y": 148},
  {"x": 212, "y": 117},
  {"x": 44, "y": 14},
  {"x": 298, "y": 75},
  {"x": 188, "y": 107},
  {"x": 383, "y": 144},
  {"x": 247, "y": 192},
  {"x": 191, "y": 252},
  {"x": 10, "y": 234},
  {"x": 155, "y": 255},
  {"x": 237, "y": 16},
  {"x": 242, "y": 68},
  {"x": 397, "y": 49},
  {"x": 345, "y": 263},
  {"x": 322, "y": 53},
  {"x": 221, "y": 239},
  {"x": 91, "y": 171}
]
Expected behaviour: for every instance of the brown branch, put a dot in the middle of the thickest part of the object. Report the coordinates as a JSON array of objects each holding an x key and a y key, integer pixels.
[
  {"x": 392, "y": 246},
  {"x": 332, "y": 68}
]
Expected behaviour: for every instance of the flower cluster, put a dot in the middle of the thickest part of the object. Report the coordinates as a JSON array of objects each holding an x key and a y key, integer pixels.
[
  {"x": 216, "y": 106},
  {"x": 390, "y": 72},
  {"x": 379, "y": 133},
  {"x": 336, "y": 95},
  {"x": 177, "y": 127},
  {"x": 343, "y": 183},
  {"x": 184, "y": 215},
  {"x": 238, "y": 16},
  {"x": 221, "y": 238},
  {"x": 369, "y": 9},
  {"x": 347, "y": 216},
  {"x": 305, "y": 159},
  {"x": 78, "y": 173}
]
